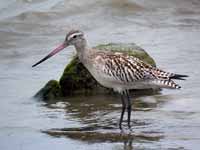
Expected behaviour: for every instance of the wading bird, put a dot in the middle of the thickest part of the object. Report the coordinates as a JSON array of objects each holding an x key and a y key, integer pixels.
[{"x": 117, "y": 71}]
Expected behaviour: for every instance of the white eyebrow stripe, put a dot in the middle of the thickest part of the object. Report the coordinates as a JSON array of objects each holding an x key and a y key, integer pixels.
[{"x": 78, "y": 33}]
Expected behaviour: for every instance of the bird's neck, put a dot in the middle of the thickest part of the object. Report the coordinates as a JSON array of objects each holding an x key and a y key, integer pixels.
[{"x": 83, "y": 51}]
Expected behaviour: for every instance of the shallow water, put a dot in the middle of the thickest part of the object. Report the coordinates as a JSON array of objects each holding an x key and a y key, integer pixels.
[{"x": 29, "y": 29}]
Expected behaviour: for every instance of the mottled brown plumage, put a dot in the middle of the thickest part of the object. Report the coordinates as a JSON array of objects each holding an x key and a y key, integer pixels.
[{"x": 130, "y": 71}]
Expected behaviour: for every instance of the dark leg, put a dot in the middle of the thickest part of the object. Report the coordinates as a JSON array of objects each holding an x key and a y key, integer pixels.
[
  {"x": 128, "y": 108},
  {"x": 123, "y": 109}
]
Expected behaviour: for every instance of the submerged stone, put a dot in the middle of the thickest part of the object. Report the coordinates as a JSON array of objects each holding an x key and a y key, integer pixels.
[
  {"x": 50, "y": 91},
  {"x": 77, "y": 79}
]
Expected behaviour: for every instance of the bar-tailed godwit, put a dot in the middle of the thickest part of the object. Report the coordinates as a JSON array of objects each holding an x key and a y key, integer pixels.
[{"x": 117, "y": 71}]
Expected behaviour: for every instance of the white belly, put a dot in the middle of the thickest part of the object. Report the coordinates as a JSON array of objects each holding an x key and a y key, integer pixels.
[{"x": 118, "y": 85}]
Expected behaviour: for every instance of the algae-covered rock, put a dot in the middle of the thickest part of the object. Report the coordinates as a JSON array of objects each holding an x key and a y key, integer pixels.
[
  {"x": 77, "y": 79},
  {"x": 50, "y": 91}
]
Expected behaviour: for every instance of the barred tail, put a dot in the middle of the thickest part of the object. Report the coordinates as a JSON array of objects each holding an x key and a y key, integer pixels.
[{"x": 168, "y": 84}]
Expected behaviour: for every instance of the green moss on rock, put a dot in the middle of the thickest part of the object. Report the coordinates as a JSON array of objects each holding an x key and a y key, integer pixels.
[
  {"x": 50, "y": 91},
  {"x": 76, "y": 79}
]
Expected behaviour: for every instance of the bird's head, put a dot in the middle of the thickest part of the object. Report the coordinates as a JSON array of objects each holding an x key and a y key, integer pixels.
[{"x": 74, "y": 37}]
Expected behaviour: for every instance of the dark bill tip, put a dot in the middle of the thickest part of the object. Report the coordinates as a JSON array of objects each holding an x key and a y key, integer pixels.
[
  {"x": 45, "y": 58},
  {"x": 58, "y": 49}
]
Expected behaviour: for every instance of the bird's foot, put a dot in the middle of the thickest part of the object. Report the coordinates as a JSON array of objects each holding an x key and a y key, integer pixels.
[{"x": 126, "y": 131}]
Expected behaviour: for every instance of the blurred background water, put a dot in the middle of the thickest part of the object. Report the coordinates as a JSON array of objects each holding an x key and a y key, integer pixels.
[{"x": 29, "y": 29}]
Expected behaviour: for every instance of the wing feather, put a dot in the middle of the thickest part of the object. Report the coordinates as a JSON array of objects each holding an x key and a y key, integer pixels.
[{"x": 128, "y": 69}]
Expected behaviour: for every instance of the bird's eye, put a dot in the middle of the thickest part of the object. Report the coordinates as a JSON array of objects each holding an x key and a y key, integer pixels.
[{"x": 74, "y": 36}]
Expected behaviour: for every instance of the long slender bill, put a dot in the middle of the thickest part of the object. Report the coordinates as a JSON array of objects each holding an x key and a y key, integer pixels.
[{"x": 58, "y": 49}]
